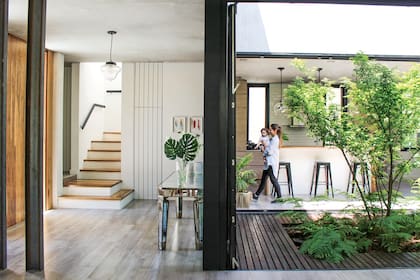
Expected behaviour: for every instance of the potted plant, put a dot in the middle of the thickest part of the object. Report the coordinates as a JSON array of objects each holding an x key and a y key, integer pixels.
[
  {"x": 184, "y": 150},
  {"x": 244, "y": 178}
]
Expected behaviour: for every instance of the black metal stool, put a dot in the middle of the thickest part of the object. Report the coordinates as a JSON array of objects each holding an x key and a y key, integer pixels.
[
  {"x": 328, "y": 178},
  {"x": 289, "y": 182},
  {"x": 363, "y": 167}
]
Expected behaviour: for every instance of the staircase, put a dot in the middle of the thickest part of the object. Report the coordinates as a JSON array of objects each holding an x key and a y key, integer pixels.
[{"x": 99, "y": 182}]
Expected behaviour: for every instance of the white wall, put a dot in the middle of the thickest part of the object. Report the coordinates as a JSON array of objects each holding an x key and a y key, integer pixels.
[
  {"x": 113, "y": 104},
  {"x": 152, "y": 94},
  {"x": 112, "y": 116},
  {"x": 90, "y": 89},
  {"x": 57, "y": 124},
  {"x": 75, "y": 122}
]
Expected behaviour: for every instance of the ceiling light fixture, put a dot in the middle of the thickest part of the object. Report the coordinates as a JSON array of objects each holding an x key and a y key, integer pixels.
[
  {"x": 279, "y": 107},
  {"x": 110, "y": 69},
  {"x": 319, "y": 74}
]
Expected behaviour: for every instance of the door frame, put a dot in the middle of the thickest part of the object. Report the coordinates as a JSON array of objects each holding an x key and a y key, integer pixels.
[{"x": 217, "y": 228}]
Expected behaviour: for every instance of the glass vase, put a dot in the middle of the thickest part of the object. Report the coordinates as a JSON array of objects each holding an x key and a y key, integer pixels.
[{"x": 181, "y": 170}]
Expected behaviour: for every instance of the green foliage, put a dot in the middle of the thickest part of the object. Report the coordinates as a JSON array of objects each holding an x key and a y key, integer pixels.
[
  {"x": 185, "y": 148},
  {"x": 170, "y": 148},
  {"x": 244, "y": 177},
  {"x": 295, "y": 200},
  {"x": 383, "y": 111},
  {"x": 392, "y": 233},
  {"x": 332, "y": 239},
  {"x": 298, "y": 216},
  {"x": 328, "y": 244}
]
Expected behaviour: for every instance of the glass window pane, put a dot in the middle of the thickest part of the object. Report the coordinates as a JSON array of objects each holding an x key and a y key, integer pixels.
[{"x": 256, "y": 112}]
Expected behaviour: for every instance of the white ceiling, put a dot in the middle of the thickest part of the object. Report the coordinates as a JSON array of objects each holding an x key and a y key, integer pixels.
[
  {"x": 264, "y": 70},
  {"x": 148, "y": 30}
]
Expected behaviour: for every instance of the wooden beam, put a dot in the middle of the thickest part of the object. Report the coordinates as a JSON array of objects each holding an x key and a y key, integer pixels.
[
  {"x": 34, "y": 136},
  {"x": 4, "y": 10}
]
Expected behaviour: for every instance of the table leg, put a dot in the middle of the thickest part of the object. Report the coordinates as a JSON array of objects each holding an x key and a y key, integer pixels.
[
  {"x": 179, "y": 207},
  {"x": 197, "y": 209},
  {"x": 163, "y": 222}
]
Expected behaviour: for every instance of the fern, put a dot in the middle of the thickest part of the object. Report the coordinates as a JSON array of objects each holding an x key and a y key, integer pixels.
[
  {"x": 328, "y": 244},
  {"x": 294, "y": 215}
]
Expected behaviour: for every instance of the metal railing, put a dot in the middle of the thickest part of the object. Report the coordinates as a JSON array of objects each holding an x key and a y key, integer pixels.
[{"x": 90, "y": 113}]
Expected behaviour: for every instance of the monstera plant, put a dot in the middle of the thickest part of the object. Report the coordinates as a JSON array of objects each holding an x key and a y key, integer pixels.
[{"x": 184, "y": 150}]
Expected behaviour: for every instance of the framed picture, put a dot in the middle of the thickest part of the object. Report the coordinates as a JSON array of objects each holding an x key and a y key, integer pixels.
[
  {"x": 196, "y": 125},
  {"x": 179, "y": 124}
]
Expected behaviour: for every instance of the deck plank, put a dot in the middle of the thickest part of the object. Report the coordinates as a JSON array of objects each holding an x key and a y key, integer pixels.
[{"x": 264, "y": 244}]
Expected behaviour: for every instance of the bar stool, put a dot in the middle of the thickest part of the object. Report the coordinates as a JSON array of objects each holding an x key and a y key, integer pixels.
[
  {"x": 363, "y": 167},
  {"x": 289, "y": 182},
  {"x": 328, "y": 178}
]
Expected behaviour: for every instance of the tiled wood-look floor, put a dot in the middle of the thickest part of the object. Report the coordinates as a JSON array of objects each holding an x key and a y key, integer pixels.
[
  {"x": 122, "y": 244},
  {"x": 264, "y": 244}
]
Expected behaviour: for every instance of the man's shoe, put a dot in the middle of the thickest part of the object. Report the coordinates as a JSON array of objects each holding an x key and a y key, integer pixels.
[{"x": 254, "y": 196}]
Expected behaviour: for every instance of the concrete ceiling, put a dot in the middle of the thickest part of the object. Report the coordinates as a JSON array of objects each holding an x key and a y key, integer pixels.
[
  {"x": 148, "y": 30},
  {"x": 264, "y": 70}
]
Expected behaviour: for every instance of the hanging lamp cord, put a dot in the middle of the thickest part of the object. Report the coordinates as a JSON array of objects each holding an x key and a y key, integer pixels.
[{"x": 110, "y": 49}]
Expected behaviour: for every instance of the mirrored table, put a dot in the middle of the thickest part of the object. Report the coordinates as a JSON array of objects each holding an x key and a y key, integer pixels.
[{"x": 191, "y": 190}]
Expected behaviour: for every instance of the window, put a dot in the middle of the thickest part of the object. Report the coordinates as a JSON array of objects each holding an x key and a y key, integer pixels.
[{"x": 257, "y": 110}]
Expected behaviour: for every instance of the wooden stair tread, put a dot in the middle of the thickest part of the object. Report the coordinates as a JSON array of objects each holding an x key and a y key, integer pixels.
[
  {"x": 106, "y": 141},
  {"x": 101, "y": 169},
  {"x": 113, "y": 160},
  {"x": 116, "y": 196},
  {"x": 96, "y": 150},
  {"x": 93, "y": 183}
]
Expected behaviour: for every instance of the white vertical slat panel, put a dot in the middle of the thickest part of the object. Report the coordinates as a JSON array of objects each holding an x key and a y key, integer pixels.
[
  {"x": 160, "y": 128},
  {"x": 148, "y": 134}
]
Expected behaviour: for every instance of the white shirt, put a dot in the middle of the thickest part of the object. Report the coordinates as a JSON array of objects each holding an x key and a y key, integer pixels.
[
  {"x": 272, "y": 155},
  {"x": 264, "y": 140}
]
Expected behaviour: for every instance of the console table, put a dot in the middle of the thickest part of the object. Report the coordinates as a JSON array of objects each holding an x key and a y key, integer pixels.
[{"x": 170, "y": 188}]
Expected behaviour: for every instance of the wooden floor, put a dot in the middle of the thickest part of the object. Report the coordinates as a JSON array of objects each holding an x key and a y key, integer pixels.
[
  {"x": 264, "y": 244},
  {"x": 122, "y": 244}
]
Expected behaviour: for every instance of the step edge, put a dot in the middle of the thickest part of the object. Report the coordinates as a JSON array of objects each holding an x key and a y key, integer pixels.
[
  {"x": 110, "y": 198},
  {"x": 96, "y": 150},
  {"x": 99, "y": 170}
]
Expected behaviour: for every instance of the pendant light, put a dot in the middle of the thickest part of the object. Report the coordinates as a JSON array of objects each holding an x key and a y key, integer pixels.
[
  {"x": 319, "y": 74},
  {"x": 110, "y": 69},
  {"x": 279, "y": 107}
]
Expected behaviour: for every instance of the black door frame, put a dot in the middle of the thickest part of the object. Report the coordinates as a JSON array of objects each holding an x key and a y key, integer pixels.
[{"x": 217, "y": 121}]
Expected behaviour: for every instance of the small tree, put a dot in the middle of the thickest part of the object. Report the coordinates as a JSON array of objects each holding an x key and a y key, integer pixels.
[{"x": 383, "y": 110}]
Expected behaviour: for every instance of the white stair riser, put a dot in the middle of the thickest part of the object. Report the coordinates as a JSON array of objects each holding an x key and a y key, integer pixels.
[
  {"x": 98, "y": 175},
  {"x": 105, "y": 146},
  {"x": 102, "y": 164},
  {"x": 91, "y": 191},
  {"x": 124, "y": 202},
  {"x": 112, "y": 137},
  {"x": 103, "y": 155},
  {"x": 93, "y": 204}
]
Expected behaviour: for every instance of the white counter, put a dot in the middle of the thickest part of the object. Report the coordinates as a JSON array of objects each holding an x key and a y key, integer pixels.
[{"x": 302, "y": 161}]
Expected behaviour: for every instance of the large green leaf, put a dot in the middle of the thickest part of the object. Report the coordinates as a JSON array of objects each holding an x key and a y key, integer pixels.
[
  {"x": 171, "y": 148},
  {"x": 187, "y": 147}
]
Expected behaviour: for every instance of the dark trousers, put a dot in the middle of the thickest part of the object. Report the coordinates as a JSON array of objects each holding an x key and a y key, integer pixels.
[{"x": 269, "y": 173}]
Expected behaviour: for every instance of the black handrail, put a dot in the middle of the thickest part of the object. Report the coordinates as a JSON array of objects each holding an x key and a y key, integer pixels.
[{"x": 90, "y": 113}]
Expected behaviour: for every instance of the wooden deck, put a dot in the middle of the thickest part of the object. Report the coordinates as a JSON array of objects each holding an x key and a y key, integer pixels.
[{"x": 264, "y": 244}]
